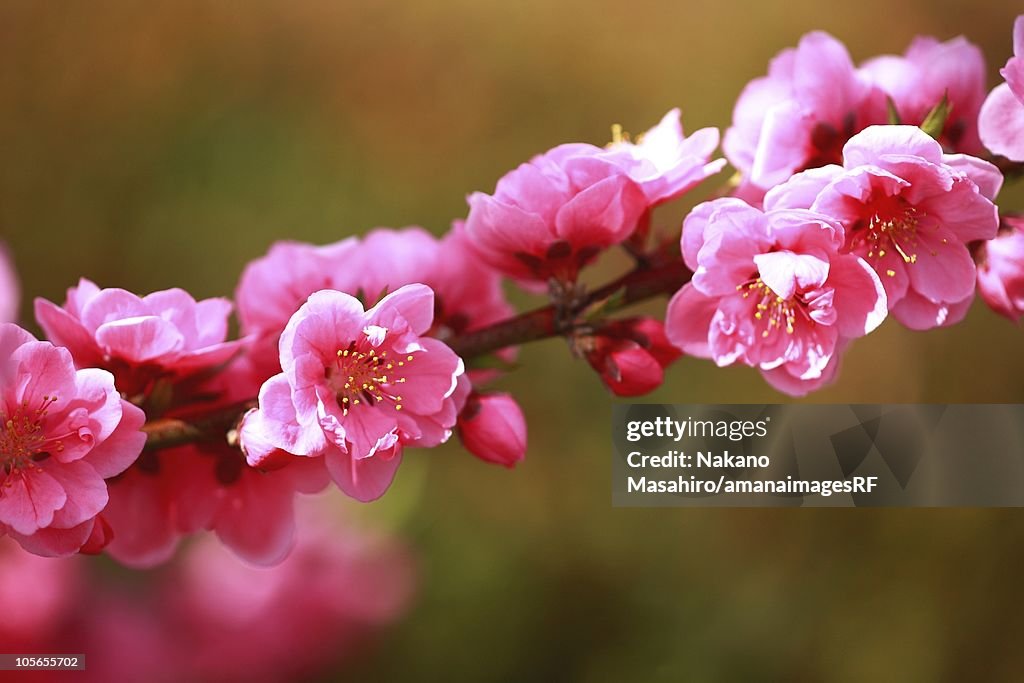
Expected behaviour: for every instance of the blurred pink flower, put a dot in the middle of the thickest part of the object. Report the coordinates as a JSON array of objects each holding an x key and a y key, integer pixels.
[
  {"x": 928, "y": 71},
  {"x": 62, "y": 432},
  {"x": 772, "y": 291},
  {"x": 37, "y": 594},
  {"x": 357, "y": 386},
  {"x": 492, "y": 428},
  {"x": 909, "y": 210},
  {"x": 1002, "y": 115},
  {"x": 552, "y": 215},
  {"x": 10, "y": 292},
  {"x": 631, "y": 355},
  {"x": 163, "y": 334},
  {"x": 1001, "y": 270},
  {"x": 799, "y": 115}
]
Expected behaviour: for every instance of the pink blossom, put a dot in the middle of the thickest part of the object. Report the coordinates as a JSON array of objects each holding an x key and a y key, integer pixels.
[
  {"x": 771, "y": 290},
  {"x": 631, "y": 355},
  {"x": 799, "y": 115},
  {"x": 209, "y": 486},
  {"x": 928, "y": 71},
  {"x": 1002, "y": 115},
  {"x": 37, "y": 594},
  {"x": 357, "y": 386},
  {"x": 273, "y": 287},
  {"x": 492, "y": 428},
  {"x": 62, "y": 432},
  {"x": 1001, "y": 270},
  {"x": 555, "y": 213},
  {"x": 909, "y": 210},
  {"x": 139, "y": 339},
  {"x": 10, "y": 293}
]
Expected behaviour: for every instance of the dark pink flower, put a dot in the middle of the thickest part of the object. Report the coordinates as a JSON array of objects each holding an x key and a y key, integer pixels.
[
  {"x": 357, "y": 386},
  {"x": 140, "y": 339},
  {"x": 799, "y": 115},
  {"x": 1002, "y": 115},
  {"x": 909, "y": 210},
  {"x": 10, "y": 293},
  {"x": 492, "y": 428},
  {"x": 771, "y": 290},
  {"x": 555, "y": 213},
  {"x": 631, "y": 355},
  {"x": 1001, "y": 270},
  {"x": 62, "y": 432},
  {"x": 928, "y": 71}
]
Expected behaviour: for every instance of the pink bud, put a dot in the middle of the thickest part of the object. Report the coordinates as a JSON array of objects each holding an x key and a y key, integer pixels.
[
  {"x": 1001, "y": 271},
  {"x": 493, "y": 429},
  {"x": 100, "y": 537},
  {"x": 628, "y": 369}
]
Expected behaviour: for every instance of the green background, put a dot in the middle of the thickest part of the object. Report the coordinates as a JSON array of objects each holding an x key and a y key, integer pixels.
[{"x": 158, "y": 144}]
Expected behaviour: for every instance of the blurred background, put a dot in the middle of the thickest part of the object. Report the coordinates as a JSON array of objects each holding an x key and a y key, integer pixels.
[{"x": 159, "y": 144}]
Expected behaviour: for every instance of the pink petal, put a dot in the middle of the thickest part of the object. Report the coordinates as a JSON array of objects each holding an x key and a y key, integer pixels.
[
  {"x": 688, "y": 321},
  {"x": 603, "y": 214},
  {"x": 859, "y": 298},
  {"x": 118, "y": 451},
  {"x": 140, "y": 339},
  {"x": 414, "y": 303},
  {"x": 918, "y": 313},
  {"x": 944, "y": 270},
  {"x": 364, "y": 479},
  {"x": 51, "y": 542},
  {"x": 1002, "y": 123},
  {"x": 785, "y": 272},
  {"x": 256, "y": 519},
  {"x": 28, "y": 500},
  {"x": 85, "y": 491},
  {"x": 870, "y": 145}
]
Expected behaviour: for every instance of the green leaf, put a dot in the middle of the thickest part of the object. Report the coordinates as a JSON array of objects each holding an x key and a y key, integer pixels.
[
  {"x": 894, "y": 115},
  {"x": 601, "y": 307},
  {"x": 935, "y": 122}
]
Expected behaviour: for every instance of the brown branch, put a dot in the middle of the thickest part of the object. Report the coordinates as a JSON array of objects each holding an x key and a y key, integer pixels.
[{"x": 644, "y": 282}]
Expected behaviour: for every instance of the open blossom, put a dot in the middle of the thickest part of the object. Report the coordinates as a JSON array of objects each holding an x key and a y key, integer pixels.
[
  {"x": 631, "y": 355},
  {"x": 909, "y": 210},
  {"x": 62, "y": 432},
  {"x": 1002, "y": 115},
  {"x": 928, "y": 71},
  {"x": 168, "y": 494},
  {"x": 139, "y": 339},
  {"x": 492, "y": 427},
  {"x": 357, "y": 385},
  {"x": 10, "y": 294},
  {"x": 555, "y": 213},
  {"x": 814, "y": 99},
  {"x": 771, "y": 290},
  {"x": 1001, "y": 270},
  {"x": 799, "y": 115}
]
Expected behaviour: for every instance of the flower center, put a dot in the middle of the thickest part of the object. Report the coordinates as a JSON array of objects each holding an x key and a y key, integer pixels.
[
  {"x": 886, "y": 232},
  {"x": 22, "y": 441},
  {"x": 365, "y": 377},
  {"x": 771, "y": 309}
]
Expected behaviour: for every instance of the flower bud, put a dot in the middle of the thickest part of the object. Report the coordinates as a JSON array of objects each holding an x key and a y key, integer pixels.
[
  {"x": 1001, "y": 270},
  {"x": 492, "y": 428}
]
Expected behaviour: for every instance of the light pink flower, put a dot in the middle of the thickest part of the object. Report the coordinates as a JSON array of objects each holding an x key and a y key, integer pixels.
[
  {"x": 909, "y": 210},
  {"x": 139, "y": 339},
  {"x": 772, "y": 291},
  {"x": 799, "y": 115},
  {"x": 10, "y": 292},
  {"x": 928, "y": 71},
  {"x": 357, "y": 386},
  {"x": 1002, "y": 115},
  {"x": 62, "y": 432},
  {"x": 492, "y": 428},
  {"x": 273, "y": 287},
  {"x": 1001, "y": 270},
  {"x": 555, "y": 213},
  {"x": 631, "y": 355}
]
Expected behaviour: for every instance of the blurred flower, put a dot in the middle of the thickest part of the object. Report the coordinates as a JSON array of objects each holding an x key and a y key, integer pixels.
[
  {"x": 10, "y": 293},
  {"x": 62, "y": 431},
  {"x": 910, "y": 211},
  {"x": 492, "y": 427},
  {"x": 1002, "y": 115},
  {"x": 772, "y": 291},
  {"x": 631, "y": 355},
  {"x": 357, "y": 386},
  {"x": 164, "y": 334},
  {"x": 37, "y": 594},
  {"x": 926, "y": 73},
  {"x": 555, "y": 213},
  {"x": 1001, "y": 270}
]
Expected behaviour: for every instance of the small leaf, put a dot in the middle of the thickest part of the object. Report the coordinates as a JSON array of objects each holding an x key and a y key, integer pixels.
[
  {"x": 894, "y": 114},
  {"x": 935, "y": 122},
  {"x": 606, "y": 305}
]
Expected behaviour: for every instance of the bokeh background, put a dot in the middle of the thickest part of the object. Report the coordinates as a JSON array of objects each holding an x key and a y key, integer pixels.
[{"x": 166, "y": 143}]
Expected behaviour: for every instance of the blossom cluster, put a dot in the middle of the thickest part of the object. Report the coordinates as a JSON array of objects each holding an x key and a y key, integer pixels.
[{"x": 860, "y": 192}]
